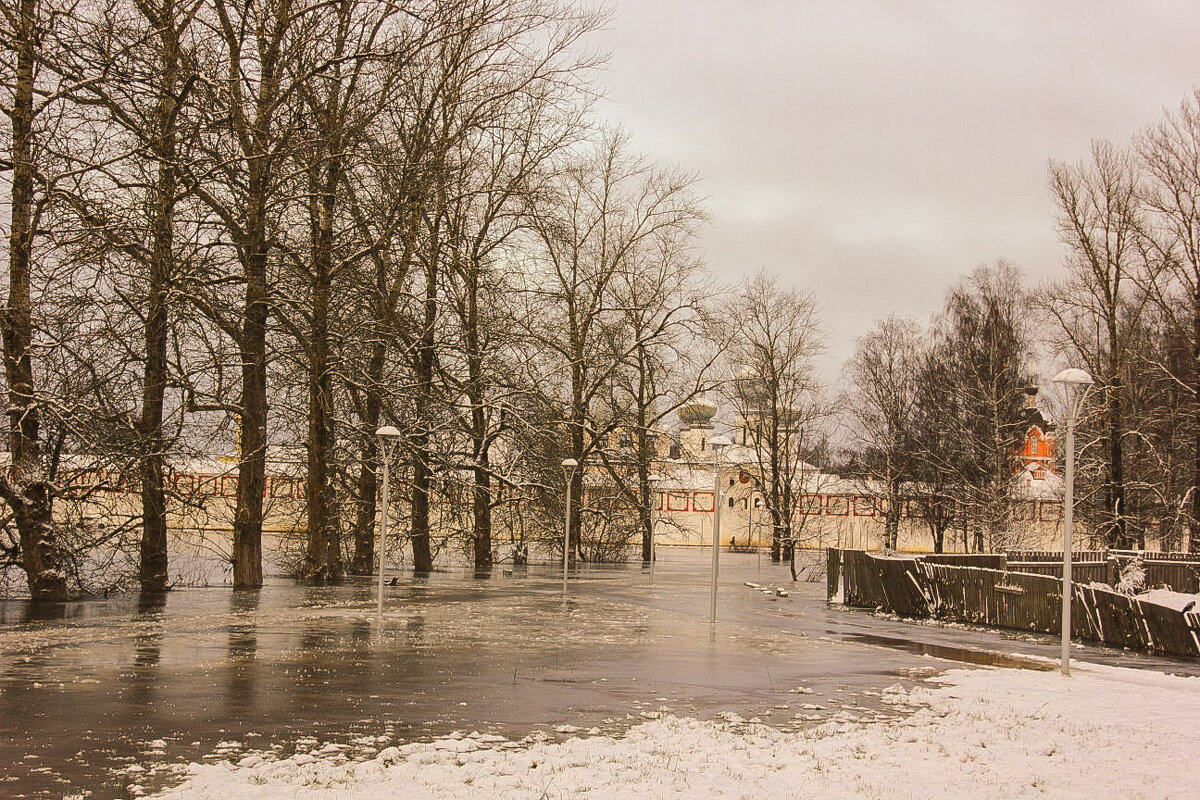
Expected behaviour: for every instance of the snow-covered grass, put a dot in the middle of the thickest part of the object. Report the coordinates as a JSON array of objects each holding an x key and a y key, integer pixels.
[{"x": 983, "y": 733}]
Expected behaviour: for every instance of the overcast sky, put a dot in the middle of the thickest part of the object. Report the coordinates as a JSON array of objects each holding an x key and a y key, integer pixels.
[{"x": 874, "y": 151}]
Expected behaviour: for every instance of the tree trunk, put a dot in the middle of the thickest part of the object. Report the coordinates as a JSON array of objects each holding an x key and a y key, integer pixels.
[
  {"x": 645, "y": 455},
  {"x": 252, "y": 457},
  {"x": 476, "y": 391},
  {"x": 573, "y": 538},
  {"x": 419, "y": 443},
  {"x": 154, "y": 565},
  {"x": 1193, "y": 543},
  {"x": 323, "y": 558},
  {"x": 367, "y": 489},
  {"x": 574, "y": 534},
  {"x": 1114, "y": 494},
  {"x": 368, "y": 475},
  {"x": 42, "y": 558},
  {"x": 645, "y": 504},
  {"x": 776, "y": 537},
  {"x": 421, "y": 483},
  {"x": 891, "y": 522},
  {"x": 482, "y": 513},
  {"x": 265, "y": 52},
  {"x": 29, "y": 495}
]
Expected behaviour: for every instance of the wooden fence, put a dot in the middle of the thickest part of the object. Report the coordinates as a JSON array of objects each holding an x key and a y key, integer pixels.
[
  {"x": 1179, "y": 576},
  {"x": 986, "y": 560},
  {"x": 1081, "y": 572},
  {"x": 1024, "y": 601},
  {"x": 1050, "y": 555},
  {"x": 1154, "y": 555},
  {"x": 1177, "y": 571}
]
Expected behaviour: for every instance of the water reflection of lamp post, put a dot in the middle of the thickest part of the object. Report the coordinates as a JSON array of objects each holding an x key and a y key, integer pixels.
[
  {"x": 717, "y": 443},
  {"x": 1076, "y": 383},
  {"x": 568, "y": 465},
  {"x": 654, "y": 481},
  {"x": 385, "y": 435}
]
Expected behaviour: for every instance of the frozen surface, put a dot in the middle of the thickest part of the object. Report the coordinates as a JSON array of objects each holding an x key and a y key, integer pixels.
[
  {"x": 119, "y": 697},
  {"x": 989, "y": 733}
]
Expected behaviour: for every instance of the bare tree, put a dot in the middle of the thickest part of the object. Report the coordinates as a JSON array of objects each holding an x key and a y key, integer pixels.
[
  {"x": 131, "y": 62},
  {"x": 356, "y": 61},
  {"x": 250, "y": 99},
  {"x": 777, "y": 397},
  {"x": 1169, "y": 154},
  {"x": 25, "y": 489},
  {"x": 387, "y": 196},
  {"x": 667, "y": 360},
  {"x": 937, "y": 484},
  {"x": 590, "y": 223},
  {"x": 983, "y": 337},
  {"x": 1100, "y": 222},
  {"x": 882, "y": 403},
  {"x": 525, "y": 114}
]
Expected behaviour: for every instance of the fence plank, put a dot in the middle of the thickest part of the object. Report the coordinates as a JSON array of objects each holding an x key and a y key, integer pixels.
[
  {"x": 833, "y": 572},
  {"x": 902, "y": 591},
  {"x": 1168, "y": 630}
]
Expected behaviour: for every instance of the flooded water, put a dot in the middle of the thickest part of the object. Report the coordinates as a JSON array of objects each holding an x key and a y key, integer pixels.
[{"x": 105, "y": 696}]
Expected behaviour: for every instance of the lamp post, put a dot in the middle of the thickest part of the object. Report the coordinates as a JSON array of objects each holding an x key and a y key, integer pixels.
[
  {"x": 757, "y": 545},
  {"x": 568, "y": 465},
  {"x": 385, "y": 434},
  {"x": 654, "y": 481},
  {"x": 717, "y": 443},
  {"x": 1076, "y": 383}
]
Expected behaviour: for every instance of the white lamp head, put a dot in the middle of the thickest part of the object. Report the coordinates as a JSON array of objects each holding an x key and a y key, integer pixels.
[
  {"x": 388, "y": 430},
  {"x": 718, "y": 441},
  {"x": 1074, "y": 378},
  {"x": 569, "y": 463},
  {"x": 655, "y": 479}
]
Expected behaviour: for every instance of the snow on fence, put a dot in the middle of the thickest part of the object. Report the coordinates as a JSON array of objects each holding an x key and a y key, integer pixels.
[
  {"x": 1081, "y": 572},
  {"x": 1178, "y": 571},
  {"x": 916, "y": 587}
]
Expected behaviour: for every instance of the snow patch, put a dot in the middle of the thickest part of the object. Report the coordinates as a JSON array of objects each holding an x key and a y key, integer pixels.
[
  {"x": 1011, "y": 734},
  {"x": 1176, "y": 600}
]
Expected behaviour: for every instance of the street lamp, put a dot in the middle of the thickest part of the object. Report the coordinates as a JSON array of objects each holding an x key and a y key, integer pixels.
[
  {"x": 717, "y": 443},
  {"x": 385, "y": 434},
  {"x": 752, "y": 503},
  {"x": 1076, "y": 383},
  {"x": 568, "y": 465},
  {"x": 654, "y": 481}
]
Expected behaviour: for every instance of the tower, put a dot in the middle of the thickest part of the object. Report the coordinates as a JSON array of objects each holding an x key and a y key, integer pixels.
[{"x": 696, "y": 425}]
